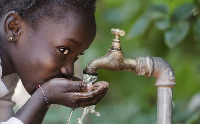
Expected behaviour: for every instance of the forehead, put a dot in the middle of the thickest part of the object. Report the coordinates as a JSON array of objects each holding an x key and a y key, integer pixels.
[{"x": 72, "y": 26}]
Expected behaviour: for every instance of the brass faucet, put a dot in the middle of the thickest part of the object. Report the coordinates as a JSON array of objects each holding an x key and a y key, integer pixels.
[{"x": 114, "y": 60}]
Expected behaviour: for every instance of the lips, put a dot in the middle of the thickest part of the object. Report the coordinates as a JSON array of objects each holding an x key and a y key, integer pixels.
[{"x": 74, "y": 78}]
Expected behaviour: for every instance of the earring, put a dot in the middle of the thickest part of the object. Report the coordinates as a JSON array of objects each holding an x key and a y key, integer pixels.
[{"x": 11, "y": 38}]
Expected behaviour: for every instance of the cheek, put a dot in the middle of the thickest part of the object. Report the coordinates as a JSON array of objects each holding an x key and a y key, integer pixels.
[
  {"x": 40, "y": 72},
  {"x": 38, "y": 69},
  {"x": 46, "y": 66}
]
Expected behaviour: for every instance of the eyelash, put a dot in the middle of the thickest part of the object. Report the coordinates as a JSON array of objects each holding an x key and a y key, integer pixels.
[{"x": 82, "y": 53}]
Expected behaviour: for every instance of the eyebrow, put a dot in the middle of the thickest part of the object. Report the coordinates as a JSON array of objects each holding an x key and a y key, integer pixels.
[{"x": 73, "y": 41}]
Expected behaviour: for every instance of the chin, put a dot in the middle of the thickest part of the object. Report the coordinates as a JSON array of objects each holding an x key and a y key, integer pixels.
[{"x": 30, "y": 88}]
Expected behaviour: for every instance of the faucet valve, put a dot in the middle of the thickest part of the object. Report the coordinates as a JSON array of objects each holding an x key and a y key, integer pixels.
[
  {"x": 117, "y": 32},
  {"x": 116, "y": 42}
]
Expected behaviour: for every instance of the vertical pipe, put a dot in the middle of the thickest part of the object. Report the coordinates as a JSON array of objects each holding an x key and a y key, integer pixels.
[
  {"x": 164, "y": 105},
  {"x": 165, "y": 81}
]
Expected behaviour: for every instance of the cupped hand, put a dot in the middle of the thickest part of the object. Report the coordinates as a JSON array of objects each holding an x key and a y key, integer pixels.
[{"x": 74, "y": 94}]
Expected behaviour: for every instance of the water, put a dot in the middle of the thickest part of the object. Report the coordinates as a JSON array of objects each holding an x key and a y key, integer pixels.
[
  {"x": 86, "y": 110},
  {"x": 90, "y": 109},
  {"x": 89, "y": 78},
  {"x": 70, "y": 115}
]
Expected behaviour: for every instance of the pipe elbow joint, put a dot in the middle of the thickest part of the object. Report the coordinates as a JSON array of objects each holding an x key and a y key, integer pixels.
[
  {"x": 163, "y": 72},
  {"x": 157, "y": 67}
]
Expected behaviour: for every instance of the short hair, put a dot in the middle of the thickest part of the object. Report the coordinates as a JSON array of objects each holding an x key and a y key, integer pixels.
[{"x": 32, "y": 10}]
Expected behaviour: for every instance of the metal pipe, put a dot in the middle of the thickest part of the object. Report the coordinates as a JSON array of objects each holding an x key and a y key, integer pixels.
[
  {"x": 164, "y": 105},
  {"x": 165, "y": 81},
  {"x": 150, "y": 66}
]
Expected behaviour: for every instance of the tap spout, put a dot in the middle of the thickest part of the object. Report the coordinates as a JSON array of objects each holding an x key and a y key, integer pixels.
[{"x": 114, "y": 60}]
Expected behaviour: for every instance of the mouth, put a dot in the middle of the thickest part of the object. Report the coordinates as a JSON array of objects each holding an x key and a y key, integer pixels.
[
  {"x": 74, "y": 78},
  {"x": 36, "y": 86}
]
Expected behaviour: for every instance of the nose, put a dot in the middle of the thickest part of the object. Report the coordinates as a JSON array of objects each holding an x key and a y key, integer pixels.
[{"x": 67, "y": 70}]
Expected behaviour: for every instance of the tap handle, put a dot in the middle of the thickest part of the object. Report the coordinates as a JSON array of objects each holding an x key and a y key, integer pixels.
[
  {"x": 117, "y": 32},
  {"x": 116, "y": 45}
]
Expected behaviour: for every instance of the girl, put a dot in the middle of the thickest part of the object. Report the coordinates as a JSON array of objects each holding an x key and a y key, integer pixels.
[{"x": 40, "y": 41}]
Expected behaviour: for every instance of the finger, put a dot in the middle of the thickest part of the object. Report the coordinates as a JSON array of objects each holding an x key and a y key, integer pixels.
[
  {"x": 90, "y": 87},
  {"x": 87, "y": 101},
  {"x": 75, "y": 86},
  {"x": 75, "y": 79},
  {"x": 82, "y": 99},
  {"x": 101, "y": 83},
  {"x": 90, "y": 96},
  {"x": 93, "y": 102}
]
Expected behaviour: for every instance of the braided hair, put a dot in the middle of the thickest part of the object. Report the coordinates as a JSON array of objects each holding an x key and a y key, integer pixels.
[{"x": 32, "y": 10}]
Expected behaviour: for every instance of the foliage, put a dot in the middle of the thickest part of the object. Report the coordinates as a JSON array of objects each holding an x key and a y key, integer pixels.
[
  {"x": 175, "y": 26},
  {"x": 167, "y": 29}
]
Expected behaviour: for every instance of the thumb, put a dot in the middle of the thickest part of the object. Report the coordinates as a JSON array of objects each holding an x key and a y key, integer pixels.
[{"x": 76, "y": 86}]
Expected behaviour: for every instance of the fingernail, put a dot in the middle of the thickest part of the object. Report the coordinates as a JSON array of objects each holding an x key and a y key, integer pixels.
[
  {"x": 83, "y": 86},
  {"x": 90, "y": 87}
]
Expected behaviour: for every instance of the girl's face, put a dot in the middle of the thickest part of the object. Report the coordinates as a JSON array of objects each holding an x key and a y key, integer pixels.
[{"x": 51, "y": 50}]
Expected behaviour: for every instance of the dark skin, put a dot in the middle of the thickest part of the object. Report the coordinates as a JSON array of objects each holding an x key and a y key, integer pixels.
[{"x": 46, "y": 56}]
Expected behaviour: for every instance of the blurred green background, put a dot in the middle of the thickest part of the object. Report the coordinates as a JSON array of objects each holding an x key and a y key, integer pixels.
[{"x": 165, "y": 28}]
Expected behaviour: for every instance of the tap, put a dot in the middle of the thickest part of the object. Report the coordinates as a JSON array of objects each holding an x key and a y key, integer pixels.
[{"x": 114, "y": 60}]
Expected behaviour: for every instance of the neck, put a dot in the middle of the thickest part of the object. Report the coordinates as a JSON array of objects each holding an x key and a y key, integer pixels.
[{"x": 7, "y": 66}]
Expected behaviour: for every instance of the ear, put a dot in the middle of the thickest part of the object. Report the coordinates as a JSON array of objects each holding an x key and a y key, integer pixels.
[{"x": 12, "y": 26}]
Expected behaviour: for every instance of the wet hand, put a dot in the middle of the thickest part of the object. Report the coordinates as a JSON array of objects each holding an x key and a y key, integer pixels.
[{"x": 74, "y": 94}]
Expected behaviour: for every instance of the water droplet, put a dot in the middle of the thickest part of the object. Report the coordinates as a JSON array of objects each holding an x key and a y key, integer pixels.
[
  {"x": 170, "y": 73},
  {"x": 70, "y": 115},
  {"x": 97, "y": 114}
]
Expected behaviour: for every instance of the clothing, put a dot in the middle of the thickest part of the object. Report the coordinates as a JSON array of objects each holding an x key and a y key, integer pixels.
[
  {"x": 6, "y": 104},
  {"x": 7, "y": 87},
  {"x": 3, "y": 88},
  {"x": 12, "y": 120}
]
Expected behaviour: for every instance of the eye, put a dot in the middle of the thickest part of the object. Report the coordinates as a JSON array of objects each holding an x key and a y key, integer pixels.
[
  {"x": 64, "y": 50},
  {"x": 82, "y": 53},
  {"x": 79, "y": 56}
]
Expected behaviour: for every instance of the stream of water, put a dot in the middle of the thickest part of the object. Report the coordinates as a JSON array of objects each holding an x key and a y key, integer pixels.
[{"x": 90, "y": 109}]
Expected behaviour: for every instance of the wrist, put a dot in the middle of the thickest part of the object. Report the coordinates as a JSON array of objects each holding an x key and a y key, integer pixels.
[
  {"x": 38, "y": 98},
  {"x": 44, "y": 94},
  {"x": 30, "y": 110}
]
